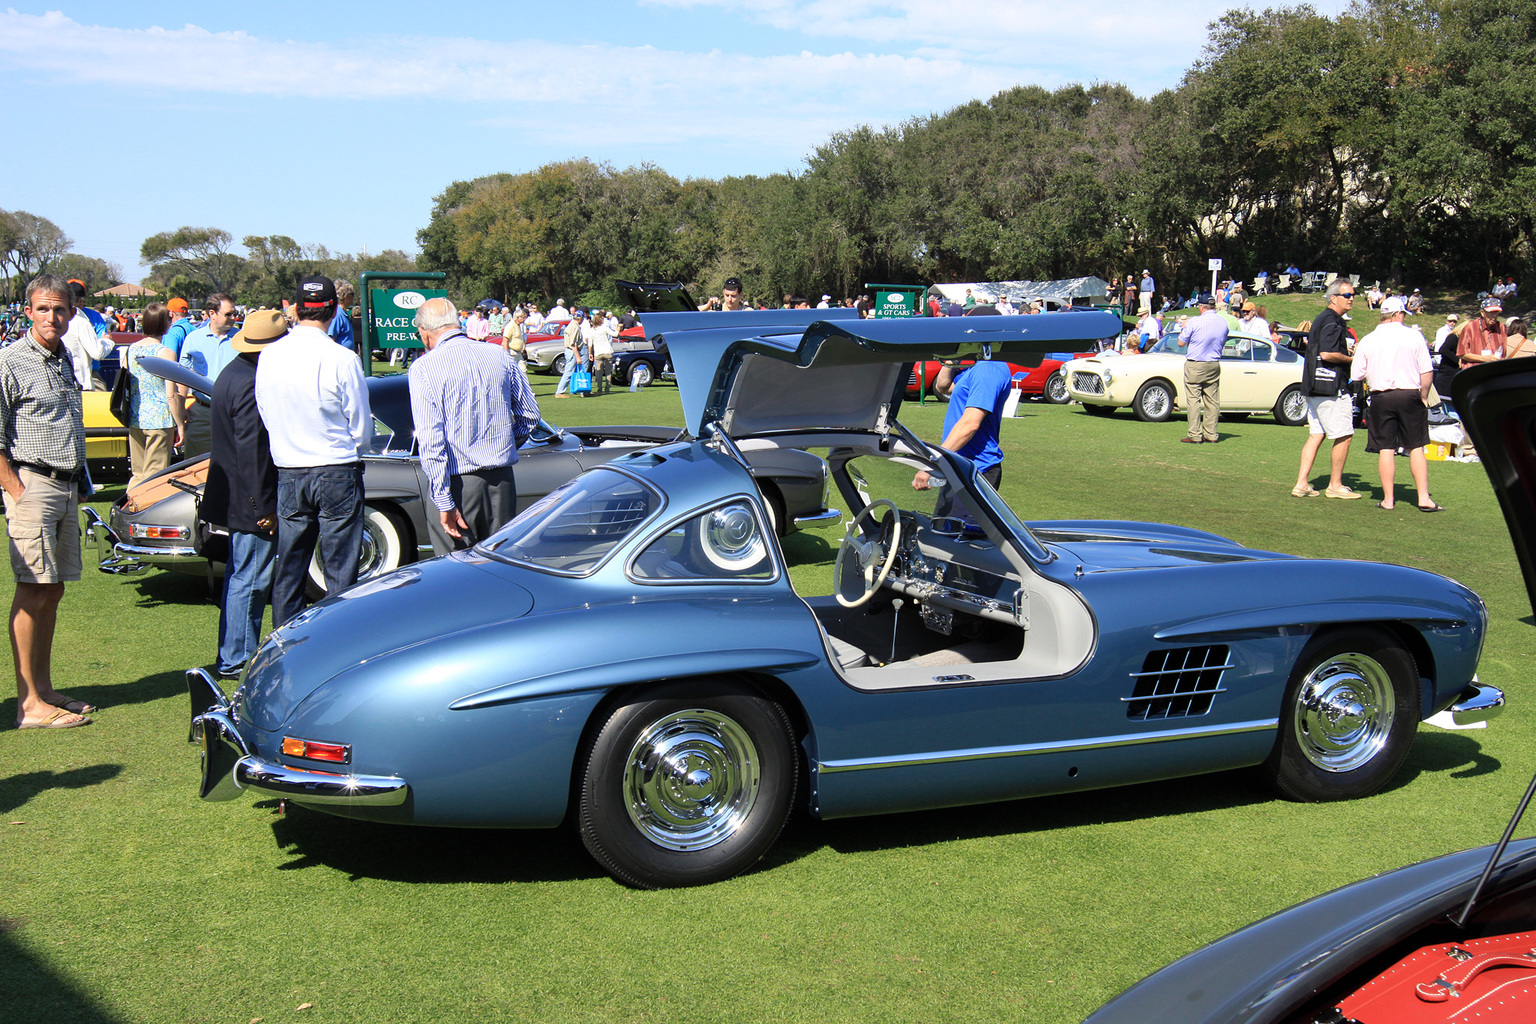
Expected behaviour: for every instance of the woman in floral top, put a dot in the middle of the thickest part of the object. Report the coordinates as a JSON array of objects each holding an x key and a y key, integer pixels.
[{"x": 154, "y": 419}]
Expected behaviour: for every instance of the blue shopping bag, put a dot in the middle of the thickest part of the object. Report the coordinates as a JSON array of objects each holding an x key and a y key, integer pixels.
[{"x": 581, "y": 382}]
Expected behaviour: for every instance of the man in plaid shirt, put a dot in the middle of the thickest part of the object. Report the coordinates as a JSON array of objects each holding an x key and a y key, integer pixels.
[{"x": 42, "y": 474}]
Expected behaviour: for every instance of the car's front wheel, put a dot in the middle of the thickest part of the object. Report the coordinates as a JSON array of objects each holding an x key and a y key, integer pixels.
[
  {"x": 1154, "y": 401},
  {"x": 383, "y": 550},
  {"x": 640, "y": 373},
  {"x": 1348, "y": 717},
  {"x": 686, "y": 784},
  {"x": 1291, "y": 407},
  {"x": 1055, "y": 391}
]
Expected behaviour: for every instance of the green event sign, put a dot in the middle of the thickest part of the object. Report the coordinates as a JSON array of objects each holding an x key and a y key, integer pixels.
[
  {"x": 394, "y": 311},
  {"x": 896, "y": 300}
]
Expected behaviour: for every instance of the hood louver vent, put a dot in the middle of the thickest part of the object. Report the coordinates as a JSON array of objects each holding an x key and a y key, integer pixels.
[{"x": 1177, "y": 684}]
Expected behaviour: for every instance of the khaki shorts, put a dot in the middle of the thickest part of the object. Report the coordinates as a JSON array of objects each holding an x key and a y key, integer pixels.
[
  {"x": 1333, "y": 415},
  {"x": 44, "y": 530}
]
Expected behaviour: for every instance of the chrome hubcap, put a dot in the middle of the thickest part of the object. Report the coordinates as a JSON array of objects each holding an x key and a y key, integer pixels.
[
  {"x": 1155, "y": 402},
  {"x": 1295, "y": 405},
  {"x": 691, "y": 780},
  {"x": 1056, "y": 388},
  {"x": 1344, "y": 712}
]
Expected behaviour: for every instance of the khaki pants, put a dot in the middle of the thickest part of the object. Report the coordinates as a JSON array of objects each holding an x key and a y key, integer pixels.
[
  {"x": 149, "y": 451},
  {"x": 1202, "y": 395},
  {"x": 602, "y": 374}
]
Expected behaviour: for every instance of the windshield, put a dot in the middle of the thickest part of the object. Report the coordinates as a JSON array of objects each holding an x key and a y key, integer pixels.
[{"x": 573, "y": 528}]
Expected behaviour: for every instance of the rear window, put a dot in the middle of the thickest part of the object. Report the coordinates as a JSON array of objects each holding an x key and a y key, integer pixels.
[{"x": 573, "y": 528}]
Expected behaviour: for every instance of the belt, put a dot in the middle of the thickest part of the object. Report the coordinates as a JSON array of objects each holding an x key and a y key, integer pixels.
[{"x": 65, "y": 475}]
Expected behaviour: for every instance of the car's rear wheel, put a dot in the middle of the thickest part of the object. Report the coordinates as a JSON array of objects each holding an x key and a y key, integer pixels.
[
  {"x": 640, "y": 373},
  {"x": 687, "y": 784},
  {"x": 1291, "y": 407},
  {"x": 1154, "y": 401},
  {"x": 383, "y": 550},
  {"x": 1055, "y": 390},
  {"x": 1348, "y": 718}
]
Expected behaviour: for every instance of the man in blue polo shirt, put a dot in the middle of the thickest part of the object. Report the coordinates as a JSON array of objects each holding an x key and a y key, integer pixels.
[
  {"x": 975, "y": 416},
  {"x": 207, "y": 350}
]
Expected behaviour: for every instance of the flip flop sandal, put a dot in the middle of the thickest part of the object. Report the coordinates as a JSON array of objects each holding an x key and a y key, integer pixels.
[
  {"x": 54, "y": 721},
  {"x": 74, "y": 707},
  {"x": 1430, "y": 508}
]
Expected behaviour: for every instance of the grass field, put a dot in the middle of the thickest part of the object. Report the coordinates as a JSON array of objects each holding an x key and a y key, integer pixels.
[{"x": 123, "y": 898}]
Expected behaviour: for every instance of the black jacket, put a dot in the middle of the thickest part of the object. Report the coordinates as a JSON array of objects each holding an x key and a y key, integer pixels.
[{"x": 242, "y": 479}]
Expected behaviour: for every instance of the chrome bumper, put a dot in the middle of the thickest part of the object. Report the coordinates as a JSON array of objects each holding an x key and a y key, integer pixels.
[
  {"x": 1477, "y": 703},
  {"x": 115, "y": 558},
  {"x": 229, "y": 767},
  {"x": 827, "y": 517}
]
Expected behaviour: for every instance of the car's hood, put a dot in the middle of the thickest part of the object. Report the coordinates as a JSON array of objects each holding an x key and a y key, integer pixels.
[
  {"x": 169, "y": 369},
  {"x": 1497, "y": 402},
  {"x": 1107, "y": 545},
  {"x": 657, "y": 297},
  {"x": 372, "y": 620},
  {"x": 760, "y": 371}
]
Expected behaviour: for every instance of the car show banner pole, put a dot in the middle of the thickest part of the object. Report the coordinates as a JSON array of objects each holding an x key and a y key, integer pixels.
[
  {"x": 900, "y": 300},
  {"x": 388, "y": 313}
]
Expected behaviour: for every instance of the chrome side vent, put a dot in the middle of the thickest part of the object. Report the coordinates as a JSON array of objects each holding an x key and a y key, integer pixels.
[{"x": 1178, "y": 683}]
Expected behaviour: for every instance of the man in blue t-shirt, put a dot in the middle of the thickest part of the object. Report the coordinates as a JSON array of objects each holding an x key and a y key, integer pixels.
[{"x": 975, "y": 416}]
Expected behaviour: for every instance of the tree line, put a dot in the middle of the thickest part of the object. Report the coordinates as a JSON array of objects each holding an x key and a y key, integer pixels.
[{"x": 1395, "y": 140}]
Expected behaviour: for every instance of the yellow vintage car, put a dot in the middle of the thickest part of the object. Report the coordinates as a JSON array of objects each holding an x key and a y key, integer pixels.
[
  {"x": 1256, "y": 376},
  {"x": 106, "y": 440}
]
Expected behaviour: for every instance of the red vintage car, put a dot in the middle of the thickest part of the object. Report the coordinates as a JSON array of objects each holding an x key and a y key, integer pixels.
[{"x": 1045, "y": 381}]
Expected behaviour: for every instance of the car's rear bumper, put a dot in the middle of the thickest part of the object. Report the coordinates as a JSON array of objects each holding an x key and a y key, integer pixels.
[
  {"x": 116, "y": 556},
  {"x": 229, "y": 767}
]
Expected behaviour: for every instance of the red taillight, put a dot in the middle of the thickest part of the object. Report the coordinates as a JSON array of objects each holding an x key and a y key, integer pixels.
[{"x": 336, "y": 753}]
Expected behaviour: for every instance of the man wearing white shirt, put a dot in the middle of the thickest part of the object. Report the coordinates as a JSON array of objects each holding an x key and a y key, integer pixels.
[
  {"x": 1253, "y": 324},
  {"x": 599, "y": 333},
  {"x": 1394, "y": 361},
  {"x": 83, "y": 340},
  {"x": 314, "y": 402}
]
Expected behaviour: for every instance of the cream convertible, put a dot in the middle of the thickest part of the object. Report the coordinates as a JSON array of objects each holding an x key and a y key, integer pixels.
[{"x": 1256, "y": 376}]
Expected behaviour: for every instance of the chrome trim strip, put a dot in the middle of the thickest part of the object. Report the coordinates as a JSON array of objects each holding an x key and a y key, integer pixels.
[
  {"x": 1181, "y": 671},
  {"x": 1174, "y": 696},
  {"x": 1024, "y": 749},
  {"x": 308, "y": 787},
  {"x": 1477, "y": 703}
]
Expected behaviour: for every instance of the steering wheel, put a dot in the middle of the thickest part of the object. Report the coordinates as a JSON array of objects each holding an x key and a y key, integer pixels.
[{"x": 868, "y": 552}]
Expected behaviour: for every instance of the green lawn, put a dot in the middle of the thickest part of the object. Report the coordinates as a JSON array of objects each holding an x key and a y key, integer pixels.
[{"x": 123, "y": 898}]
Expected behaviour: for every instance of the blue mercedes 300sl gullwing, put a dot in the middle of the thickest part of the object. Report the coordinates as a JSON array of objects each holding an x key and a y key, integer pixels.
[{"x": 629, "y": 654}]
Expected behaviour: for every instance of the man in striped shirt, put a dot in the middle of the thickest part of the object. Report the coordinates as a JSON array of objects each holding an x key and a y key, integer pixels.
[{"x": 472, "y": 408}]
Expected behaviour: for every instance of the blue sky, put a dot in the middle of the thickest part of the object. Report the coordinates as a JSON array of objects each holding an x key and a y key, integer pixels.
[{"x": 338, "y": 122}]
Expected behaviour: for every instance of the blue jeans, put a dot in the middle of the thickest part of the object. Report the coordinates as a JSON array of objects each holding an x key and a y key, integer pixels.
[
  {"x": 319, "y": 504},
  {"x": 247, "y": 585}
]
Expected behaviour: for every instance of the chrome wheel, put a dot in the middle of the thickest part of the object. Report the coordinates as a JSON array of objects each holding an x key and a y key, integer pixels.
[
  {"x": 1344, "y": 712},
  {"x": 689, "y": 783},
  {"x": 1056, "y": 389},
  {"x": 1154, "y": 402},
  {"x": 691, "y": 779},
  {"x": 1291, "y": 409},
  {"x": 640, "y": 374}
]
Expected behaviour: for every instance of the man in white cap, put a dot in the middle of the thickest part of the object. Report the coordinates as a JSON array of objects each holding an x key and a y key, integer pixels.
[
  {"x": 1394, "y": 361},
  {"x": 1148, "y": 286}
]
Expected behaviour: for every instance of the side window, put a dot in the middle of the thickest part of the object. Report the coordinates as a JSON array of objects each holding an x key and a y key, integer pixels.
[
  {"x": 572, "y": 529},
  {"x": 1261, "y": 350},
  {"x": 724, "y": 543}
]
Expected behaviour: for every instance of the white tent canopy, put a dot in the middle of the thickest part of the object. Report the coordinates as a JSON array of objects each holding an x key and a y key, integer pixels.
[{"x": 1017, "y": 291}]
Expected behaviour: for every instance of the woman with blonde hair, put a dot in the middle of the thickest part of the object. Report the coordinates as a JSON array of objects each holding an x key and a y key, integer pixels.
[{"x": 154, "y": 408}]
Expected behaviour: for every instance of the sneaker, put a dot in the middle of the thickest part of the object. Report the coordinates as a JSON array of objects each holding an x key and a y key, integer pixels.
[{"x": 1341, "y": 492}]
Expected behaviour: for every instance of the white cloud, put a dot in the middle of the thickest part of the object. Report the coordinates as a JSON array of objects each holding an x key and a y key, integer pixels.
[{"x": 470, "y": 70}]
